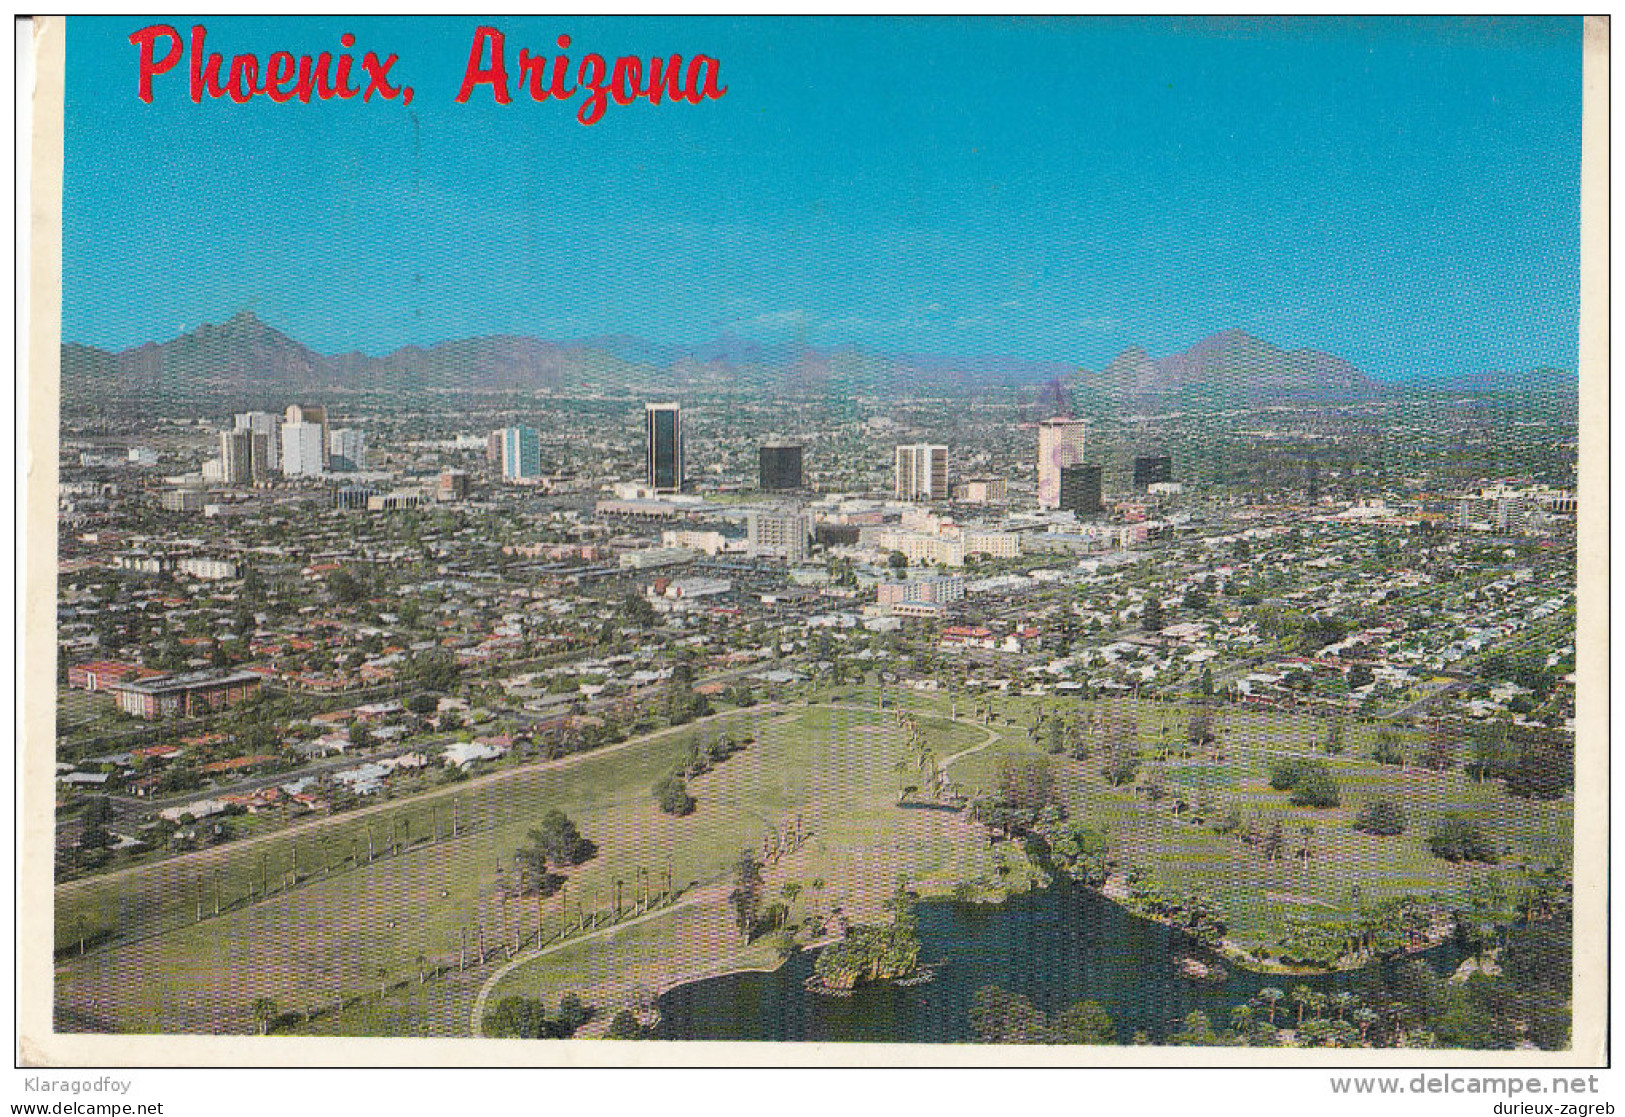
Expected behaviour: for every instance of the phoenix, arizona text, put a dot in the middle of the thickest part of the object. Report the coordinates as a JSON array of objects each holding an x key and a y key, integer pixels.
[{"x": 282, "y": 77}]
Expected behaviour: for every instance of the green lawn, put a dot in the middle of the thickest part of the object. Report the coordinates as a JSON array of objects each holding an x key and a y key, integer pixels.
[
  {"x": 342, "y": 933},
  {"x": 1259, "y": 895},
  {"x": 356, "y": 925}
]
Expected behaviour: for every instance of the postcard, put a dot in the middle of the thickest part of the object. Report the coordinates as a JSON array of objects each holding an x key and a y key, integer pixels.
[{"x": 919, "y": 540}]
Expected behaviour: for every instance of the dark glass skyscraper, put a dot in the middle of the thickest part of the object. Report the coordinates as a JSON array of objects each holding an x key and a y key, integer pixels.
[
  {"x": 1080, "y": 490},
  {"x": 664, "y": 425},
  {"x": 1152, "y": 471},
  {"x": 780, "y": 467}
]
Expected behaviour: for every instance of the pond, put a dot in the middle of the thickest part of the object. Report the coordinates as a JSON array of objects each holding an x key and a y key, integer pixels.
[{"x": 1055, "y": 946}]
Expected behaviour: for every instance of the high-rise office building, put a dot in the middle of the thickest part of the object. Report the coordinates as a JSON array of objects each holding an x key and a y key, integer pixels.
[
  {"x": 1080, "y": 490},
  {"x": 663, "y": 423},
  {"x": 304, "y": 448},
  {"x": 780, "y": 467},
  {"x": 346, "y": 448},
  {"x": 264, "y": 425},
  {"x": 305, "y": 413},
  {"x": 1152, "y": 470},
  {"x": 236, "y": 457},
  {"x": 922, "y": 472},
  {"x": 521, "y": 454},
  {"x": 1060, "y": 444}
]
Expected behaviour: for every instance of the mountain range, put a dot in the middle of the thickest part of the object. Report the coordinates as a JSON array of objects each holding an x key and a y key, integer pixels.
[{"x": 244, "y": 357}]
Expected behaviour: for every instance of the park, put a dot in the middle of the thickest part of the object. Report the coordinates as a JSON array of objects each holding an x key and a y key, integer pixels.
[{"x": 411, "y": 917}]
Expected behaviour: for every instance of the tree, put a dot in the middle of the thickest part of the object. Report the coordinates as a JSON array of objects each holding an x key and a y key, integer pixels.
[
  {"x": 746, "y": 896},
  {"x": 898, "y": 561},
  {"x": 1084, "y": 1022},
  {"x": 1081, "y": 852},
  {"x": 436, "y": 670},
  {"x": 1381, "y": 817},
  {"x": 1439, "y": 750},
  {"x": 559, "y": 839},
  {"x": 1026, "y": 785},
  {"x": 1152, "y": 620},
  {"x": 1120, "y": 737},
  {"x": 1491, "y": 749},
  {"x": 97, "y": 814},
  {"x": 623, "y": 1025},
  {"x": 1360, "y": 675},
  {"x": 1458, "y": 838},
  {"x": 265, "y": 1014},
  {"x": 637, "y": 611},
  {"x": 672, "y": 795},
  {"x": 1315, "y": 787},
  {"x": 1271, "y": 996},
  {"x": 1389, "y": 750},
  {"x": 1301, "y": 996},
  {"x": 518, "y": 1018},
  {"x": 346, "y": 588},
  {"x": 1195, "y": 1031},
  {"x": 1284, "y": 774},
  {"x": 530, "y": 863},
  {"x": 998, "y": 1016},
  {"x": 572, "y": 1013},
  {"x": 1199, "y": 732},
  {"x": 423, "y": 705},
  {"x": 1542, "y": 764}
]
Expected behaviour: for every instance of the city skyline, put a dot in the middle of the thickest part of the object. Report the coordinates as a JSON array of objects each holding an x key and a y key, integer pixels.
[{"x": 1065, "y": 216}]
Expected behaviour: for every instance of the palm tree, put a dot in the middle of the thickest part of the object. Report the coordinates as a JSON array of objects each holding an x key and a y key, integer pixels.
[
  {"x": 1301, "y": 995},
  {"x": 1271, "y": 996},
  {"x": 1364, "y": 1017},
  {"x": 1344, "y": 1001},
  {"x": 264, "y": 1014}
]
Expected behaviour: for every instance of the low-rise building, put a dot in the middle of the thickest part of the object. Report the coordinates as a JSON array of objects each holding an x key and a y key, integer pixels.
[{"x": 183, "y": 695}]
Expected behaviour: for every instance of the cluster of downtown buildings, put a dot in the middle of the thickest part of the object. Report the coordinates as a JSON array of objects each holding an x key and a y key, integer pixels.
[{"x": 1031, "y": 575}]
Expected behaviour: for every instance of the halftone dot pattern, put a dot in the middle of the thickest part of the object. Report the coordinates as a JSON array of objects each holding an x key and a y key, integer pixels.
[{"x": 861, "y": 256}]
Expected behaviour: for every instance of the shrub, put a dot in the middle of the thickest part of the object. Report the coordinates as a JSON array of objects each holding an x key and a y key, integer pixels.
[
  {"x": 1284, "y": 774},
  {"x": 1382, "y": 818},
  {"x": 1389, "y": 750},
  {"x": 625, "y": 1026},
  {"x": 1315, "y": 787},
  {"x": 672, "y": 795},
  {"x": 1457, "y": 838},
  {"x": 518, "y": 1018},
  {"x": 572, "y": 1013}
]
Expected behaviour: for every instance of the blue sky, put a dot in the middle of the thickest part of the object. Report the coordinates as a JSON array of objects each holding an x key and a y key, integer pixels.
[{"x": 1405, "y": 195}]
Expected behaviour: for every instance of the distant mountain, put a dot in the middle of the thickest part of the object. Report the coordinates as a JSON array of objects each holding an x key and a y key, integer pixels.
[
  {"x": 1537, "y": 380},
  {"x": 245, "y": 358},
  {"x": 1236, "y": 365}
]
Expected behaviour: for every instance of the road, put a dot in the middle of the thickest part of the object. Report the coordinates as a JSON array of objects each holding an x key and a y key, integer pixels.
[
  {"x": 476, "y": 1015},
  {"x": 129, "y": 811},
  {"x": 710, "y": 892},
  {"x": 203, "y": 857},
  {"x": 1414, "y": 708}
]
